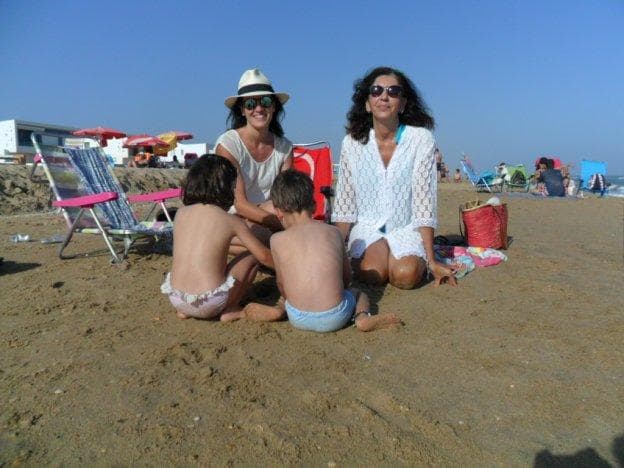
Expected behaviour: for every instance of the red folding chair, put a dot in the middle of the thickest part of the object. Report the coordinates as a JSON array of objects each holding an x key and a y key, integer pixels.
[{"x": 315, "y": 160}]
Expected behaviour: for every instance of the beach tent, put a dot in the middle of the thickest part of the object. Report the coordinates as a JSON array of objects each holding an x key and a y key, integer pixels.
[{"x": 516, "y": 176}]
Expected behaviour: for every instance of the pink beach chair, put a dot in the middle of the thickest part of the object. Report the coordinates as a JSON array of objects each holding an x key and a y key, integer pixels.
[{"x": 93, "y": 202}]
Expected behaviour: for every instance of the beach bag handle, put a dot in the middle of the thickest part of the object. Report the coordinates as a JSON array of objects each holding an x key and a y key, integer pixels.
[{"x": 475, "y": 202}]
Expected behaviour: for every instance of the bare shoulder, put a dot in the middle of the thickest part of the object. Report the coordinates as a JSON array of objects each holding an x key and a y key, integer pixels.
[
  {"x": 277, "y": 239},
  {"x": 329, "y": 230}
]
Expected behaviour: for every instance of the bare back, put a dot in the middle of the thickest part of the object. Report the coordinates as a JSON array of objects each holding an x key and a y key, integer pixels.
[
  {"x": 309, "y": 262},
  {"x": 201, "y": 237}
]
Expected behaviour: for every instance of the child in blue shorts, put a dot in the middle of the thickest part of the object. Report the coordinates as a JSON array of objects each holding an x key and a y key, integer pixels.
[{"x": 311, "y": 265}]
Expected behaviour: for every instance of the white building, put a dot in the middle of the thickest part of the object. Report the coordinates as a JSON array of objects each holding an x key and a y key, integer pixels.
[
  {"x": 15, "y": 137},
  {"x": 15, "y": 141}
]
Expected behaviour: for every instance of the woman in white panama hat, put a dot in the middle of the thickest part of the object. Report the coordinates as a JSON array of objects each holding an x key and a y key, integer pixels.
[{"x": 256, "y": 145}]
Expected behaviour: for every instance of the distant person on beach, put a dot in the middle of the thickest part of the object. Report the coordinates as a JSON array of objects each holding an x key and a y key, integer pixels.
[
  {"x": 312, "y": 268},
  {"x": 256, "y": 145},
  {"x": 438, "y": 160},
  {"x": 552, "y": 180},
  {"x": 141, "y": 159},
  {"x": 457, "y": 177},
  {"x": 538, "y": 187},
  {"x": 202, "y": 283},
  {"x": 386, "y": 195},
  {"x": 444, "y": 172}
]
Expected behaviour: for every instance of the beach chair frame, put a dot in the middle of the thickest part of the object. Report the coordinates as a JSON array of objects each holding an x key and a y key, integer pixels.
[
  {"x": 93, "y": 202},
  {"x": 315, "y": 160},
  {"x": 487, "y": 181}
]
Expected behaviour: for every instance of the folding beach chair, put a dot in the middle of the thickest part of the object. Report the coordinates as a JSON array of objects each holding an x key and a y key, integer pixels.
[
  {"x": 486, "y": 181},
  {"x": 315, "y": 160},
  {"x": 93, "y": 202},
  {"x": 516, "y": 177},
  {"x": 589, "y": 168}
]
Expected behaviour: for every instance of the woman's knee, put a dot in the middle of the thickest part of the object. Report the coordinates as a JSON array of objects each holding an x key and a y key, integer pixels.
[
  {"x": 407, "y": 275},
  {"x": 372, "y": 273}
]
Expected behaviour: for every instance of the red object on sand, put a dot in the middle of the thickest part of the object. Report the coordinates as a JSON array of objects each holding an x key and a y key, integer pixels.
[
  {"x": 103, "y": 134},
  {"x": 315, "y": 160},
  {"x": 144, "y": 140}
]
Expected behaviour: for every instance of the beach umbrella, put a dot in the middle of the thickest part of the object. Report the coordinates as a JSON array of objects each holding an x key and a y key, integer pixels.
[
  {"x": 103, "y": 134},
  {"x": 182, "y": 135},
  {"x": 172, "y": 138},
  {"x": 144, "y": 140}
]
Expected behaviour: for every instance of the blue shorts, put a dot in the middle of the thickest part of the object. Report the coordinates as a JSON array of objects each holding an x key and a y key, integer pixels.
[{"x": 326, "y": 321}]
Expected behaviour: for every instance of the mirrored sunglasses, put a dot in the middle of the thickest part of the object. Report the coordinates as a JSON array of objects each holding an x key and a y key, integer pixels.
[
  {"x": 264, "y": 101},
  {"x": 393, "y": 91}
]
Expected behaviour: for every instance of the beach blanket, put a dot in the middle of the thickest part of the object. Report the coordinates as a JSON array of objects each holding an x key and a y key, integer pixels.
[{"x": 467, "y": 257}]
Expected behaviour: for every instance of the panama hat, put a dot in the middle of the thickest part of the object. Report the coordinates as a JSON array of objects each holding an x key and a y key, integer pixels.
[{"x": 254, "y": 83}]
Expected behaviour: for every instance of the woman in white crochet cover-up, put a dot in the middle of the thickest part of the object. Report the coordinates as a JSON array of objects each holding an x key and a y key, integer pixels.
[{"x": 386, "y": 192}]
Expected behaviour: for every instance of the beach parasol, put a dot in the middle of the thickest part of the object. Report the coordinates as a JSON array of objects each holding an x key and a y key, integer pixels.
[
  {"x": 103, "y": 134},
  {"x": 144, "y": 140},
  {"x": 182, "y": 135},
  {"x": 172, "y": 139}
]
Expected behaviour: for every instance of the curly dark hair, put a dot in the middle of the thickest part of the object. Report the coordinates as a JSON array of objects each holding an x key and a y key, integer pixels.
[
  {"x": 210, "y": 180},
  {"x": 236, "y": 119},
  {"x": 293, "y": 192},
  {"x": 359, "y": 121}
]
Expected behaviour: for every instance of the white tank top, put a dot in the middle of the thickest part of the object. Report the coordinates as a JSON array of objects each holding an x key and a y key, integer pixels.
[{"x": 258, "y": 176}]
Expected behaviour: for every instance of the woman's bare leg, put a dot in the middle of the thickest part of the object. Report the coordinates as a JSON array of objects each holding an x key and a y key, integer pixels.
[
  {"x": 373, "y": 268},
  {"x": 406, "y": 272}
]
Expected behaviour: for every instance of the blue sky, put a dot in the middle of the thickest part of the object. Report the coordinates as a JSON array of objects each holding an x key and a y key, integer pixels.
[{"x": 505, "y": 80}]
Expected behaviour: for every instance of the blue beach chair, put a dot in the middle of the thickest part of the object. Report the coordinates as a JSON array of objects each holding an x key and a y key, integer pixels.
[
  {"x": 93, "y": 202},
  {"x": 487, "y": 181},
  {"x": 589, "y": 168}
]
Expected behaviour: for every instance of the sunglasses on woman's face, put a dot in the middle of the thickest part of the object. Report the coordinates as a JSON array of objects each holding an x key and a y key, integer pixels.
[
  {"x": 393, "y": 91},
  {"x": 252, "y": 103}
]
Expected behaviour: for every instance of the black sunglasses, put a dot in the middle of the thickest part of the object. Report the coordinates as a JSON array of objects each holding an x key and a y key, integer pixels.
[
  {"x": 264, "y": 101},
  {"x": 393, "y": 91}
]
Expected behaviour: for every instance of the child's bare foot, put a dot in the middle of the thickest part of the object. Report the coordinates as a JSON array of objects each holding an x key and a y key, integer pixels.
[
  {"x": 181, "y": 315},
  {"x": 263, "y": 313},
  {"x": 365, "y": 322},
  {"x": 232, "y": 316}
]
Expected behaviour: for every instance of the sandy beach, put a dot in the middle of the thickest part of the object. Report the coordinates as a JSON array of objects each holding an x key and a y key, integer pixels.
[{"x": 521, "y": 364}]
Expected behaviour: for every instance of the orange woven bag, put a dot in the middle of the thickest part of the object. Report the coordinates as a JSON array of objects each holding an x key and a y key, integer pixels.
[{"x": 485, "y": 225}]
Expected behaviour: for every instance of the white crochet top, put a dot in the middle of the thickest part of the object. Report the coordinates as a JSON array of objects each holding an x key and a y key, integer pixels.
[
  {"x": 397, "y": 199},
  {"x": 258, "y": 176}
]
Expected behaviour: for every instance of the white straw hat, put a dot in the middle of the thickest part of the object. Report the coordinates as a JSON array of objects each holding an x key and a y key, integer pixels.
[{"x": 254, "y": 83}]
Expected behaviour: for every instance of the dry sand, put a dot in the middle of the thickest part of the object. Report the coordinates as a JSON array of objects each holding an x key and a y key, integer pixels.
[{"x": 521, "y": 364}]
